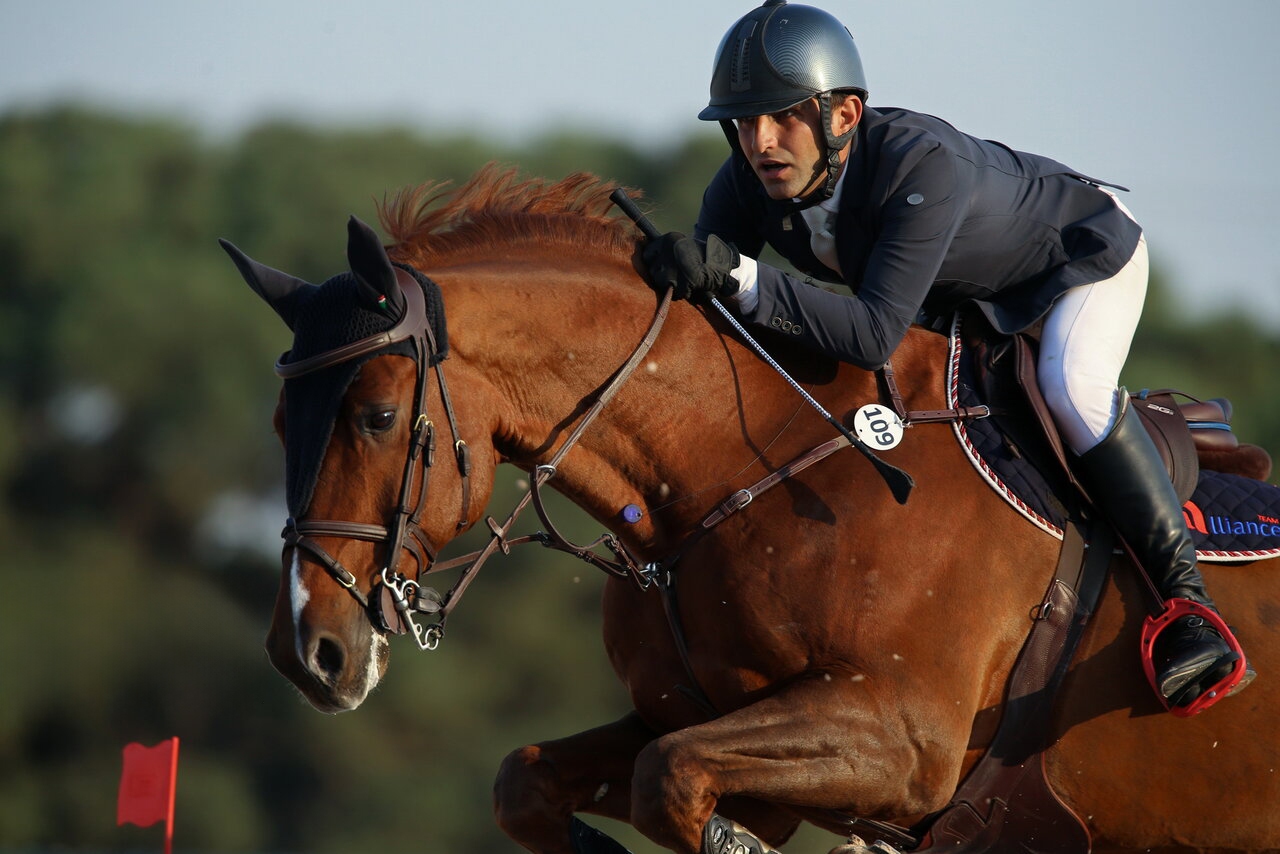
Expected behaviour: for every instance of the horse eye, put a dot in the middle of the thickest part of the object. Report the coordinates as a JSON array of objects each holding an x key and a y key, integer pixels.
[{"x": 381, "y": 420}]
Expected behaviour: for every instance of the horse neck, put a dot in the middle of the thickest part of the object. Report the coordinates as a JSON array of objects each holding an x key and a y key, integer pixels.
[
  {"x": 545, "y": 339},
  {"x": 689, "y": 424}
]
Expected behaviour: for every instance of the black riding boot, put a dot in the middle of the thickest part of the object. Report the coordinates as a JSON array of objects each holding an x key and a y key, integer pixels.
[{"x": 1128, "y": 482}]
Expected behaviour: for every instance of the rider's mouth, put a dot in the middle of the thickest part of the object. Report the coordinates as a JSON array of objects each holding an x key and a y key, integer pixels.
[{"x": 770, "y": 168}]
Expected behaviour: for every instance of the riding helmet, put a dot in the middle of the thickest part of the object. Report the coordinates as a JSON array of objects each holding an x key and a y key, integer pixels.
[{"x": 778, "y": 55}]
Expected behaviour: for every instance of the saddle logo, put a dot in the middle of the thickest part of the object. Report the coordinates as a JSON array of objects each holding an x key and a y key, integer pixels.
[
  {"x": 1194, "y": 517},
  {"x": 1261, "y": 526}
]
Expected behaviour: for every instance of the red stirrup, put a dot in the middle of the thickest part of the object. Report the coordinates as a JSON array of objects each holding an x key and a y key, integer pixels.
[{"x": 1151, "y": 630}]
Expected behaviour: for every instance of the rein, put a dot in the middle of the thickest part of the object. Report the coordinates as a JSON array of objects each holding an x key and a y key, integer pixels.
[{"x": 624, "y": 564}]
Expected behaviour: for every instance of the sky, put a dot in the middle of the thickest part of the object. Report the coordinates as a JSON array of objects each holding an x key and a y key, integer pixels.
[{"x": 1175, "y": 99}]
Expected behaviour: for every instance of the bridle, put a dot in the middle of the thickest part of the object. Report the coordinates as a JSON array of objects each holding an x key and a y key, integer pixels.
[
  {"x": 397, "y": 598},
  {"x": 397, "y": 594}
]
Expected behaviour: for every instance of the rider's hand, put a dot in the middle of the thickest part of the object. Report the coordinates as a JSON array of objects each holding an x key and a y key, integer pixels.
[{"x": 695, "y": 268}]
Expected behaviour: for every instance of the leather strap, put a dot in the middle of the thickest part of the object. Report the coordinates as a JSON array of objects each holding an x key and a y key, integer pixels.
[
  {"x": 415, "y": 316},
  {"x": 498, "y": 540},
  {"x": 925, "y": 416},
  {"x": 1006, "y": 800},
  {"x": 745, "y": 496}
]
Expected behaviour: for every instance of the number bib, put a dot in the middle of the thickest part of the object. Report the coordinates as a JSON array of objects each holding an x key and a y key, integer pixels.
[{"x": 878, "y": 427}]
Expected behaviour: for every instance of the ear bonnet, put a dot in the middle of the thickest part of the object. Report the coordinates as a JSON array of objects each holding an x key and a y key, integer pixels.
[{"x": 346, "y": 309}]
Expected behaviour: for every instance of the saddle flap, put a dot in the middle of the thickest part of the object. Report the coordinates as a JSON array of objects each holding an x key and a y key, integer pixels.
[{"x": 1164, "y": 420}]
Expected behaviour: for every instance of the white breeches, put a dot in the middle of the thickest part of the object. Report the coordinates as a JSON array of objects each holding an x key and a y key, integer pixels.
[{"x": 1084, "y": 345}]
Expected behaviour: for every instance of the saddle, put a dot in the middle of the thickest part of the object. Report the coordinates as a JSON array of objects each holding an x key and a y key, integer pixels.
[
  {"x": 1189, "y": 433},
  {"x": 1019, "y": 454},
  {"x": 1006, "y": 803}
]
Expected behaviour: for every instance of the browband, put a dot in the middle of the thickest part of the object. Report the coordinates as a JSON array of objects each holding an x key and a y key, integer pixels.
[{"x": 415, "y": 318}]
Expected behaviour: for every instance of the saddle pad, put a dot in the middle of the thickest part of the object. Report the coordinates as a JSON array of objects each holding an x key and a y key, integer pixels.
[{"x": 1232, "y": 519}]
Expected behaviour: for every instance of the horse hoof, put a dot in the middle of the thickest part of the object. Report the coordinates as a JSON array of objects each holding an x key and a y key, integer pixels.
[{"x": 855, "y": 845}]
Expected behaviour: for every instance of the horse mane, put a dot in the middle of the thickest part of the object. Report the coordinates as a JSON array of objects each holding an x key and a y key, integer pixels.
[{"x": 431, "y": 221}]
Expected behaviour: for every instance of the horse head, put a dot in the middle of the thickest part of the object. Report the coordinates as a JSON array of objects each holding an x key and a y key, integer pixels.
[{"x": 359, "y": 448}]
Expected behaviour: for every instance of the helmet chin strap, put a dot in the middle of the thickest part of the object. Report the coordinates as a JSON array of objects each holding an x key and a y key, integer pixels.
[{"x": 835, "y": 144}]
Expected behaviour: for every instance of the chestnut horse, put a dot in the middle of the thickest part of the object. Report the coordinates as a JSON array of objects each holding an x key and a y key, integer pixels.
[{"x": 839, "y": 650}]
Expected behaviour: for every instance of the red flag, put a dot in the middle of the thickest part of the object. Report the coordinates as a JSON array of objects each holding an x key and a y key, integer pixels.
[{"x": 147, "y": 785}]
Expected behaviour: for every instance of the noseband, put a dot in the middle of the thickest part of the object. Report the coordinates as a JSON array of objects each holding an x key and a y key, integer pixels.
[{"x": 397, "y": 596}]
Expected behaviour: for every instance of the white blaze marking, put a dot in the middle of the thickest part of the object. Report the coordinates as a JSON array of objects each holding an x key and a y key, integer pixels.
[
  {"x": 298, "y": 598},
  {"x": 376, "y": 643}
]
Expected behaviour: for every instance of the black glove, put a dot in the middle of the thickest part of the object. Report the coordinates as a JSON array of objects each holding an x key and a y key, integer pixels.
[{"x": 696, "y": 269}]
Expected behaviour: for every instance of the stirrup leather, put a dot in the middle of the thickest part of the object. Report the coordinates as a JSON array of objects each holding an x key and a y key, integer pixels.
[{"x": 1153, "y": 627}]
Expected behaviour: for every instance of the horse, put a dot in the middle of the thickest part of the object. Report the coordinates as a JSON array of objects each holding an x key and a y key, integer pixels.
[{"x": 825, "y": 648}]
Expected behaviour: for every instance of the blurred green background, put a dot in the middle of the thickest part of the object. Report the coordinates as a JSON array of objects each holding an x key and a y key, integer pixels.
[{"x": 141, "y": 493}]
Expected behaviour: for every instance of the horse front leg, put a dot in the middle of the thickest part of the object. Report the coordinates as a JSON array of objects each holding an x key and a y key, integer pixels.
[
  {"x": 827, "y": 741},
  {"x": 540, "y": 787}
]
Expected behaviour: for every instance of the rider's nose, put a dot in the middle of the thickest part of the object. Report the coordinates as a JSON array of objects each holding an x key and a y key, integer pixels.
[{"x": 762, "y": 135}]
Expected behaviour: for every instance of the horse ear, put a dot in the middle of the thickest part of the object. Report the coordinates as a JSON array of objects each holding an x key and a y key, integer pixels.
[
  {"x": 280, "y": 290},
  {"x": 369, "y": 261}
]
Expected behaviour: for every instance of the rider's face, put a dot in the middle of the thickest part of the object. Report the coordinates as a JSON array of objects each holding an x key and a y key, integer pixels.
[{"x": 787, "y": 149}]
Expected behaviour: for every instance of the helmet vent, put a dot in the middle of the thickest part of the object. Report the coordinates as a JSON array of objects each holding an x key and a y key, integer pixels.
[{"x": 740, "y": 68}]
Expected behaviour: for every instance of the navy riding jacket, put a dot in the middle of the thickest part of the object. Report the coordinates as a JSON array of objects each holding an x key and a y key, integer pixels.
[{"x": 930, "y": 218}]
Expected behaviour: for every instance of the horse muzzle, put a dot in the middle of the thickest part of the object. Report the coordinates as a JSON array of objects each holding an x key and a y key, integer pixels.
[{"x": 334, "y": 671}]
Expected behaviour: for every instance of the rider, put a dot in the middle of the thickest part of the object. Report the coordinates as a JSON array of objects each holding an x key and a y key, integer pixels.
[{"x": 917, "y": 218}]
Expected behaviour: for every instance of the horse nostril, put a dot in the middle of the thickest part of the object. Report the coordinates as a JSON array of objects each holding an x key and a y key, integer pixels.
[{"x": 328, "y": 659}]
